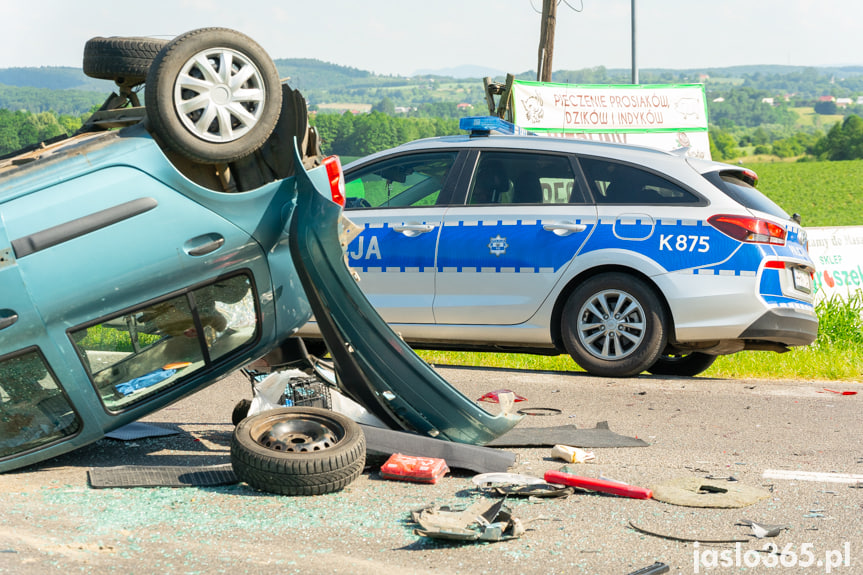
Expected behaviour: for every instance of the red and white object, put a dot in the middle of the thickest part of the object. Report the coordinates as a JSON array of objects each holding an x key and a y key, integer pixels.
[{"x": 417, "y": 469}]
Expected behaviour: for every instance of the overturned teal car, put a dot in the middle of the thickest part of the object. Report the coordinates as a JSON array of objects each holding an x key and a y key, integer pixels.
[{"x": 166, "y": 245}]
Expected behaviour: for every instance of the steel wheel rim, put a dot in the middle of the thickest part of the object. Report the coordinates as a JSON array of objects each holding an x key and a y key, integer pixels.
[
  {"x": 611, "y": 325},
  {"x": 298, "y": 435},
  {"x": 219, "y": 95}
]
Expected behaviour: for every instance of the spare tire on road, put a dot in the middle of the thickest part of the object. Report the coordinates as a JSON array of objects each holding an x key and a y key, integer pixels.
[{"x": 298, "y": 451}]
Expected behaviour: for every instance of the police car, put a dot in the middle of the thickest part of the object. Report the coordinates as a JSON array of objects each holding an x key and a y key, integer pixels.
[{"x": 630, "y": 259}]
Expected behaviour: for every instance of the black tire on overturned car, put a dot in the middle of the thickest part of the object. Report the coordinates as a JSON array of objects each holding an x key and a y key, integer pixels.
[
  {"x": 298, "y": 451},
  {"x": 125, "y": 60},
  {"x": 213, "y": 95}
]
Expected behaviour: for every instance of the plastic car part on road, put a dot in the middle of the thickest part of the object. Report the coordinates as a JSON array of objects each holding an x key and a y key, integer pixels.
[{"x": 374, "y": 366}]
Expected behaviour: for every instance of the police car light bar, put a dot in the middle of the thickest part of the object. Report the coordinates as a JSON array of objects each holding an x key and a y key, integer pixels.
[{"x": 483, "y": 125}]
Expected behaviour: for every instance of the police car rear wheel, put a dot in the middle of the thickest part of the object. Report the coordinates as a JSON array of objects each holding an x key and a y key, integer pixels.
[{"x": 614, "y": 326}]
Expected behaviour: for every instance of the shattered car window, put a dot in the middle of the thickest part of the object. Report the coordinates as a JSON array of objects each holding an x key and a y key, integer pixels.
[
  {"x": 139, "y": 353},
  {"x": 33, "y": 409}
]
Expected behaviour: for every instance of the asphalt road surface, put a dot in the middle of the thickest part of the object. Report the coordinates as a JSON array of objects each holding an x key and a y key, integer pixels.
[{"x": 53, "y": 521}]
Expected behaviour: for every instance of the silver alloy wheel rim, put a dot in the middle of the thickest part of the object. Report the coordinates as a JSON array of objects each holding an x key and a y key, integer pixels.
[
  {"x": 297, "y": 435},
  {"x": 611, "y": 324},
  {"x": 219, "y": 95}
]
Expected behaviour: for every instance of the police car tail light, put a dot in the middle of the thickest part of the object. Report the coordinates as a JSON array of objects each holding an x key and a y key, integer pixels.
[
  {"x": 336, "y": 179},
  {"x": 747, "y": 229}
]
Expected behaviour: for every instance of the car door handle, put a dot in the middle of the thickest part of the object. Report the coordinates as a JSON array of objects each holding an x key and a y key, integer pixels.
[
  {"x": 7, "y": 318},
  {"x": 412, "y": 230},
  {"x": 203, "y": 245},
  {"x": 564, "y": 228}
]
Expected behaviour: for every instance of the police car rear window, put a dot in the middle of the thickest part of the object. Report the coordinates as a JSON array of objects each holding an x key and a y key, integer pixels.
[
  {"x": 734, "y": 185},
  {"x": 615, "y": 183}
]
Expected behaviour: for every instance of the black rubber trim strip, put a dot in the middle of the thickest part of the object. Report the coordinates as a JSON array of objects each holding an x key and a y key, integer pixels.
[
  {"x": 600, "y": 436},
  {"x": 50, "y": 237},
  {"x": 474, "y": 458},
  {"x": 161, "y": 476}
]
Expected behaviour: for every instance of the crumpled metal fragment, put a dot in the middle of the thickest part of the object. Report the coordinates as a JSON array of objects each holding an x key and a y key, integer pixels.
[
  {"x": 533, "y": 490},
  {"x": 481, "y": 521},
  {"x": 762, "y": 530}
]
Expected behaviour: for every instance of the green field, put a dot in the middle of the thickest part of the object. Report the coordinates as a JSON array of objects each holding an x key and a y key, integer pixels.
[
  {"x": 825, "y": 194},
  {"x": 807, "y": 118}
]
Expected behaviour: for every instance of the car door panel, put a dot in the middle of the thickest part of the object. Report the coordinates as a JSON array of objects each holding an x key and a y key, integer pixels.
[
  {"x": 401, "y": 202},
  {"x": 502, "y": 268},
  {"x": 119, "y": 215},
  {"x": 394, "y": 258},
  {"x": 34, "y": 409},
  {"x": 500, "y": 256}
]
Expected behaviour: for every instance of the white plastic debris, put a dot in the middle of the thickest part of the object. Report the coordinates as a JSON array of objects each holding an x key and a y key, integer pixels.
[{"x": 572, "y": 454}]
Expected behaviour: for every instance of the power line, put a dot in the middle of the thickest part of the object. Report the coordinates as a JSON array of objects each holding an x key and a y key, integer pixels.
[{"x": 571, "y": 7}]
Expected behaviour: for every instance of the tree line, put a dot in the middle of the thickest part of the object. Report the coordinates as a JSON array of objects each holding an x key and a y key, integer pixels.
[
  {"x": 363, "y": 134},
  {"x": 359, "y": 135},
  {"x": 21, "y": 129}
]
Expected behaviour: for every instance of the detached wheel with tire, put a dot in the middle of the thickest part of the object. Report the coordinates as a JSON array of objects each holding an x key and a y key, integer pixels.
[
  {"x": 213, "y": 95},
  {"x": 298, "y": 451},
  {"x": 125, "y": 60},
  {"x": 687, "y": 364},
  {"x": 614, "y": 325}
]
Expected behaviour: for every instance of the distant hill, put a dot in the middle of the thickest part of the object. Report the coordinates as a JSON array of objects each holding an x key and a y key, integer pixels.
[
  {"x": 308, "y": 73},
  {"x": 465, "y": 71},
  {"x": 52, "y": 78},
  {"x": 67, "y": 90},
  {"x": 61, "y": 101}
]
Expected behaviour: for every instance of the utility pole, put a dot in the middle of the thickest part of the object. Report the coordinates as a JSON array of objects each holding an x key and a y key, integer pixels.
[
  {"x": 634, "y": 66},
  {"x": 546, "y": 40}
]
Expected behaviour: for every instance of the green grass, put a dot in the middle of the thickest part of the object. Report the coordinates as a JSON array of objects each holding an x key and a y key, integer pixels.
[
  {"x": 807, "y": 118},
  {"x": 103, "y": 338},
  {"x": 823, "y": 193},
  {"x": 837, "y": 354}
]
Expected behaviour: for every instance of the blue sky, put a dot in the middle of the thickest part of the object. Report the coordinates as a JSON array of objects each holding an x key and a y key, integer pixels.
[{"x": 400, "y": 37}]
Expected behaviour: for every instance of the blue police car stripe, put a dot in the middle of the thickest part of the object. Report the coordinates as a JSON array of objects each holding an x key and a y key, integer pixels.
[{"x": 686, "y": 246}]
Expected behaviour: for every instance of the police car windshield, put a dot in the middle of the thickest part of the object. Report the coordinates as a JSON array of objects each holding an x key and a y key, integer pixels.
[{"x": 733, "y": 185}]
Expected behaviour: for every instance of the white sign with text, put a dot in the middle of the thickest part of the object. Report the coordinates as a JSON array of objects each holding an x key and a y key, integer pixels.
[{"x": 664, "y": 116}]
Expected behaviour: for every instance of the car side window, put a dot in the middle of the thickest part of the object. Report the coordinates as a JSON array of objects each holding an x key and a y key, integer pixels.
[
  {"x": 414, "y": 180},
  {"x": 142, "y": 352},
  {"x": 523, "y": 178},
  {"x": 33, "y": 409},
  {"x": 614, "y": 183}
]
